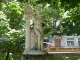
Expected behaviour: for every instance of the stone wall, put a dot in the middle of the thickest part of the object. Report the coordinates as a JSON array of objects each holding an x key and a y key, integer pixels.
[{"x": 38, "y": 57}]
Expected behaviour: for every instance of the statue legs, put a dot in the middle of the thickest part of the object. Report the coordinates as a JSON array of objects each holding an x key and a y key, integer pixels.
[{"x": 40, "y": 39}]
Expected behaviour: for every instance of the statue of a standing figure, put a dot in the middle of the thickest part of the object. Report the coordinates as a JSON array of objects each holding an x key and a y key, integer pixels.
[
  {"x": 27, "y": 17},
  {"x": 38, "y": 28},
  {"x": 34, "y": 37}
]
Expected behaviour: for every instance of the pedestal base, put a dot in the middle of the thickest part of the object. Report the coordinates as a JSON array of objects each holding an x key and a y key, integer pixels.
[
  {"x": 34, "y": 52},
  {"x": 38, "y": 57}
]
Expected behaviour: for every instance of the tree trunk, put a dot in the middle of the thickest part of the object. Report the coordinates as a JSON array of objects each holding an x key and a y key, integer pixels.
[{"x": 7, "y": 56}]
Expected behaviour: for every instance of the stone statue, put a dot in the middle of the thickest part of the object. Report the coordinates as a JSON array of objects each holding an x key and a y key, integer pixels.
[
  {"x": 38, "y": 28},
  {"x": 37, "y": 32},
  {"x": 27, "y": 17},
  {"x": 34, "y": 37}
]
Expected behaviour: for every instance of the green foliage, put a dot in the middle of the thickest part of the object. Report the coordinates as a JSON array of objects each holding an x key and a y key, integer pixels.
[
  {"x": 12, "y": 21},
  {"x": 4, "y": 25},
  {"x": 8, "y": 24},
  {"x": 70, "y": 24},
  {"x": 2, "y": 56},
  {"x": 14, "y": 42},
  {"x": 14, "y": 14},
  {"x": 68, "y": 4},
  {"x": 15, "y": 56}
]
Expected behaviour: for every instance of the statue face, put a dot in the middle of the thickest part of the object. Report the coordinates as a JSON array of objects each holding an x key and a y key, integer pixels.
[
  {"x": 38, "y": 11},
  {"x": 28, "y": 10}
]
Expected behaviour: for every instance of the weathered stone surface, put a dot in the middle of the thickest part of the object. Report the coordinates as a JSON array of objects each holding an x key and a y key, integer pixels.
[{"x": 35, "y": 52}]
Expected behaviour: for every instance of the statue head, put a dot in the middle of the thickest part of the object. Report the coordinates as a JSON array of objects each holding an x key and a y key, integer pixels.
[
  {"x": 28, "y": 10},
  {"x": 38, "y": 11}
]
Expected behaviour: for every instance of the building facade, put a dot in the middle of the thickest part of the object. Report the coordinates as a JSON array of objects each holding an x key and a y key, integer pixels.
[{"x": 66, "y": 41}]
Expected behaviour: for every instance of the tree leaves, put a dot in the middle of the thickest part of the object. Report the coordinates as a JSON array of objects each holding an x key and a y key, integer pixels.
[
  {"x": 69, "y": 3},
  {"x": 12, "y": 24},
  {"x": 14, "y": 14}
]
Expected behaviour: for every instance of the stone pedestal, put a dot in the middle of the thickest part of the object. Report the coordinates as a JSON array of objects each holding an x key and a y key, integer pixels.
[
  {"x": 34, "y": 52},
  {"x": 38, "y": 57}
]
